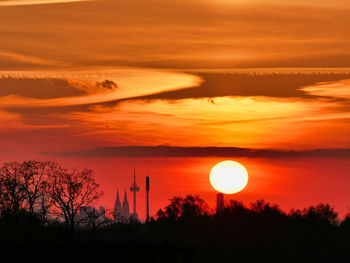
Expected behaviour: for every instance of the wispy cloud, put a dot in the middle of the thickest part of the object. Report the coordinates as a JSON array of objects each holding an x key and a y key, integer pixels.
[
  {"x": 255, "y": 108},
  {"x": 35, "y": 2},
  {"x": 336, "y": 89},
  {"x": 265, "y": 82},
  {"x": 198, "y": 34},
  {"x": 87, "y": 87},
  {"x": 23, "y": 59}
]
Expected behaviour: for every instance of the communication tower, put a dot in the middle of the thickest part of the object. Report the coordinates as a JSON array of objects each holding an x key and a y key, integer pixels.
[{"x": 134, "y": 188}]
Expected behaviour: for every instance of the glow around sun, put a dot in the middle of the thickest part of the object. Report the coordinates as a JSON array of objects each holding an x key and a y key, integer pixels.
[{"x": 228, "y": 177}]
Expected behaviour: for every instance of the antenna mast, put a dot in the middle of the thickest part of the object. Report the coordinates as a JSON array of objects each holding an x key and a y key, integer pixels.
[{"x": 147, "y": 198}]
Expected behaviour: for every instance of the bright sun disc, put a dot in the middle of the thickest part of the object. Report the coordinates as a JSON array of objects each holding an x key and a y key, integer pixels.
[{"x": 228, "y": 177}]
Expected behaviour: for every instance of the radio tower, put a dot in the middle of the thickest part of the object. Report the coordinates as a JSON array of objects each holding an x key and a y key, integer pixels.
[{"x": 134, "y": 188}]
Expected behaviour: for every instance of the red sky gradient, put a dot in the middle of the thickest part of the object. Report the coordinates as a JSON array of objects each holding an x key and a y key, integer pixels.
[
  {"x": 269, "y": 77},
  {"x": 290, "y": 183}
]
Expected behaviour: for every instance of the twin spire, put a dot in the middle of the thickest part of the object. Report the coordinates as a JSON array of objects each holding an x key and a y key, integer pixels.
[{"x": 121, "y": 211}]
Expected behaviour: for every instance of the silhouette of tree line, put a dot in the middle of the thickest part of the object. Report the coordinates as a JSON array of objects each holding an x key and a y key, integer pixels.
[
  {"x": 39, "y": 191},
  {"x": 40, "y": 202}
]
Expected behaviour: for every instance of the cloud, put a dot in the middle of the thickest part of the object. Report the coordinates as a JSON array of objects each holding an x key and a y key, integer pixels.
[
  {"x": 41, "y": 88},
  {"x": 18, "y": 60},
  {"x": 107, "y": 84},
  {"x": 184, "y": 152},
  {"x": 336, "y": 89},
  {"x": 252, "y": 111},
  {"x": 171, "y": 34},
  {"x": 255, "y": 83},
  {"x": 35, "y": 2},
  {"x": 89, "y": 87}
]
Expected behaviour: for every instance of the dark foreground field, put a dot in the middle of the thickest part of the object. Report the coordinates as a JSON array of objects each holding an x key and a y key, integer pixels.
[{"x": 186, "y": 232}]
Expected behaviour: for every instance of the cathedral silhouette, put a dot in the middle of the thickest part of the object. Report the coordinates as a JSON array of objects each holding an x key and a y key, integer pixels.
[{"x": 122, "y": 211}]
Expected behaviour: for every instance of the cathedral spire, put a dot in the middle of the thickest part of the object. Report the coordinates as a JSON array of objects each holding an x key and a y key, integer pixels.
[
  {"x": 125, "y": 196},
  {"x": 125, "y": 207},
  {"x": 117, "y": 200},
  {"x": 117, "y": 208}
]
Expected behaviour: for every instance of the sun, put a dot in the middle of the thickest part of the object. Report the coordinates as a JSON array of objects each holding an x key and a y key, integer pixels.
[{"x": 228, "y": 177}]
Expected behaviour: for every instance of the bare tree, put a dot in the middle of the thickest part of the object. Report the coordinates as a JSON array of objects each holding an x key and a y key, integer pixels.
[
  {"x": 12, "y": 193},
  {"x": 71, "y": 190},
  {"x": 23, "y": 187},
  {"x": 35, "y": 176}
]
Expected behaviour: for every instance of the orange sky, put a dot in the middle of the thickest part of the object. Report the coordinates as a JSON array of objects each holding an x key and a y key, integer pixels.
[{"x": 259, "y": 75}]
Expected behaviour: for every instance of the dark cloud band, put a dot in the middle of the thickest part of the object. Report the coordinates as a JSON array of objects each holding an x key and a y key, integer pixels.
[
  {"x": 186, "y": 152},
  {"x": 267, "y": 85}
]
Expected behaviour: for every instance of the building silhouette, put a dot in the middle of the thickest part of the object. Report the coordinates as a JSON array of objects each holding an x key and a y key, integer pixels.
[
  {"x": 220, "y": 203},
  {"x": 121, "y": 211},
  {"x": 117, "y": 208},
  {"x": 88, "y": 215},
  {"x": 125, "y": 207}
]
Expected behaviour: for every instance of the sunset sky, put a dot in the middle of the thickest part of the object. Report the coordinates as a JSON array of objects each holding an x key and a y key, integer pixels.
[{"x": 173, "y": 87}]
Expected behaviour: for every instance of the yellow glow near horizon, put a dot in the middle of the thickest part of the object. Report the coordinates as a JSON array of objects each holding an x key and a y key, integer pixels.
[{"x": 228, "y": 177}]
